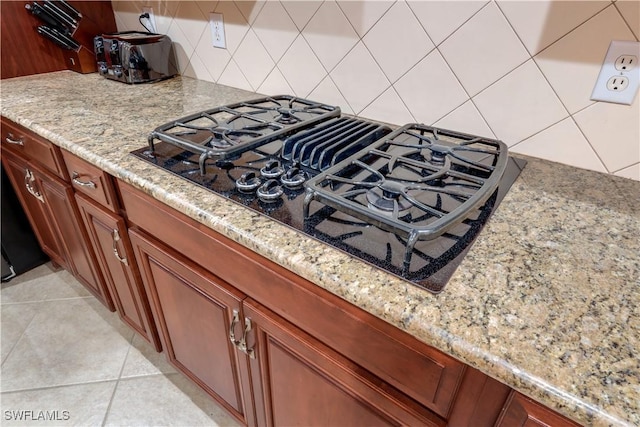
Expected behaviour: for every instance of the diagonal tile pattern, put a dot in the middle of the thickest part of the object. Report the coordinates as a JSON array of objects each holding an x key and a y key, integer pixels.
[
  {"x": 67, "y": 355},
  {"x": 330, "y": 34},
  {"x": 381, "y": 43},
  {"x": 473, "y": 65}
]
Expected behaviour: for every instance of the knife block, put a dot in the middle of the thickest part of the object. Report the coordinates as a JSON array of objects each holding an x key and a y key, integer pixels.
[{"x": 83, "y": 61}]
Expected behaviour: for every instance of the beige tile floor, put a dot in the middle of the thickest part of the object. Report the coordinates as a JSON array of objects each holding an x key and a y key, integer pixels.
[{"x": 63, "y": 351}]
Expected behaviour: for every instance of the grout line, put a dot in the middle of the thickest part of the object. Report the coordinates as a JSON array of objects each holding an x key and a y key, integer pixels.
[
  {"x": 626, "y": 167},
  {"x": 393, "y": 3},
  {"x": 558, "y": 38},
  {"x": 50, "y": 387},
  {"x": 18, "y": 340},
  {"x": 452, "y": 32},
  {"x": 115, "y": 388},
  {"x": 637, "y": 36},
  {"x": 47, "y": 300},
  {"x": 589, "y": 142}
]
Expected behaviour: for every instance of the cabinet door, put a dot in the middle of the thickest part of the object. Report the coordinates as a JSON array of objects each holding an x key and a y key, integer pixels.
[
  {"x": 300, "y": 382},
  {"x": 108, "y": 236},
  {"x": 63, "y": 214},
  {"x": 520, "y": 411},
  {"x": 195, "y": 313},
  {"x": 33, "y": 203}
]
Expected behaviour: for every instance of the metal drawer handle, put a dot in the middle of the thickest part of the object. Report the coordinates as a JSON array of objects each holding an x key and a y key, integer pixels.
[
  {"x": 9, "y": 139},
  {"x": 232, "y": 327},
  {"x": 116, "y": 239},
  {"x": 90, "y": 184},
  {"x": 243, "y": 342},
  {"x": 28, "y": 180}
]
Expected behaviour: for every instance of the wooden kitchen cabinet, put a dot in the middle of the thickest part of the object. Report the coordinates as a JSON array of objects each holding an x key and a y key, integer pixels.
[
  {"x": 299, "y": 381},
  {"x": 32, "y": 201},
  {"x": 196, "y": 315},
  {"x": 107, "y": 233},
  {"x": 37, "y": 172}
]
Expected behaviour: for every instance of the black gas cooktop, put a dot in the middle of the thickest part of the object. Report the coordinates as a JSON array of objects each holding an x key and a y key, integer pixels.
[{"x": 410, "y": 201}]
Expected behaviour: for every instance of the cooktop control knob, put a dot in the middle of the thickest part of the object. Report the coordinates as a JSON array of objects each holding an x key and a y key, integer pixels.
[
  {"x": 272, "y": 169},
  {"x": 248, "y": 182},
  {"x": 270, "y": 191},
  {"x": 293, "y": 178}
]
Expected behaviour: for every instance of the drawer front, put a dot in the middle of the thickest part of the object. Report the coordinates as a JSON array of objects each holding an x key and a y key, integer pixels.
[
  {"x": 21, "y": 140},
  {"x": 90, "y": 181}
]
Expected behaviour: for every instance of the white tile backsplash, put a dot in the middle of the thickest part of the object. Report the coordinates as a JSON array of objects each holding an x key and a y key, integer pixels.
[
  {"x": 540, "y": 23},
  {"x": 483, "y": 50},
  {"x": 560, "y": 142},
  {"x": 520, "y": 70},
  {"x": 383, "y": 45},
  {"x": 430, "y": 89},
  {"x": 275, "y": 29},
  {"x": 573, "y": 63},
  {"x": 359, "y": 78},
  {"x": 330, "y": 34},
  {"x": 441, "y": 18},
  {"x": 614, "y": 132},
  {"x": 520, "y": 104}
]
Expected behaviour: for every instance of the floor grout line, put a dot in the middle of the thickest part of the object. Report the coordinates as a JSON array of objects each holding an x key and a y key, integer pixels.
[
  {"x": 50, "y": 387},
  {"x": 115, "y": 388},
  {"x": 17, "y": 341}
]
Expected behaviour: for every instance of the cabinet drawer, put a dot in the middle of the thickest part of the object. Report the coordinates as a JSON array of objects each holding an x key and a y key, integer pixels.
[
  {"x": 21, "y": 140},
  {"x": 90, "y": 181}
]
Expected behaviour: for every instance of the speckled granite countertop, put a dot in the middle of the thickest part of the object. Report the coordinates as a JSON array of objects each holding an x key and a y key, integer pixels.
[{"x": 547, "y": 300}]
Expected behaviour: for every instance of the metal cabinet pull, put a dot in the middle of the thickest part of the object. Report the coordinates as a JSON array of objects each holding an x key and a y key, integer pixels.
[
  {"x": 232, "y": 327},
  {"x": 74, "y": 177},
  {"x": 10, "y": 140},
  {"x": 28, "y": 181},
  {"x": 116, "y": 239},
  {"x": 243, "y": 342}
]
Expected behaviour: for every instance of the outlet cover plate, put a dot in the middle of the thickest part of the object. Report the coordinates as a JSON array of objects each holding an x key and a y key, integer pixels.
[
  {"x": 603, "y": 91},
  {"x": 217, "y": 30}
]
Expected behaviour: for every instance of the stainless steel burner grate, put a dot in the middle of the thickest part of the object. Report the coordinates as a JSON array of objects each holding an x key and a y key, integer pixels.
[
  {"x": 417, "y": 182},
  {"x": 225, "y": 132}
]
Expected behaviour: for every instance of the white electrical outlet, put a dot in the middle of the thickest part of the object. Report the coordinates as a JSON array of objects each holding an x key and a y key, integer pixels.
[
  {"x": 619, "y": 76},
  {"x": 217, "y": 30},
  {"x": 151, "y": 21}
]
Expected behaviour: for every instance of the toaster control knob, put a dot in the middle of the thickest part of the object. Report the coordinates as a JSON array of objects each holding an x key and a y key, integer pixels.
[
  {"x": 102, "y": 69},
  {"x": 118, "y": 72}
]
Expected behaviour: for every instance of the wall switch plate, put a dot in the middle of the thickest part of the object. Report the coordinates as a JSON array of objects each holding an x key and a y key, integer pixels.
[
  {"x": 217, "y": 30},
  {"x": 619, "y": 76},
  {"x": 151, "y": 21}
]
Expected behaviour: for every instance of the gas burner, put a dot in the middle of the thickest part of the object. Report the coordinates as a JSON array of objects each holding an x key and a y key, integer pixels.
[
  {"x": 226, "y": 131},
  {"x": 270, "y": 191},
  {"x": 433, "y": 196},
  {"x": 287, "y": 116},
  {"x": 388, "y": 198}
]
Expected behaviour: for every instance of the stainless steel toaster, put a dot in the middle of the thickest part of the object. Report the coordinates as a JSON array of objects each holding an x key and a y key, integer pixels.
[{"x": 134, "y": 57}]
